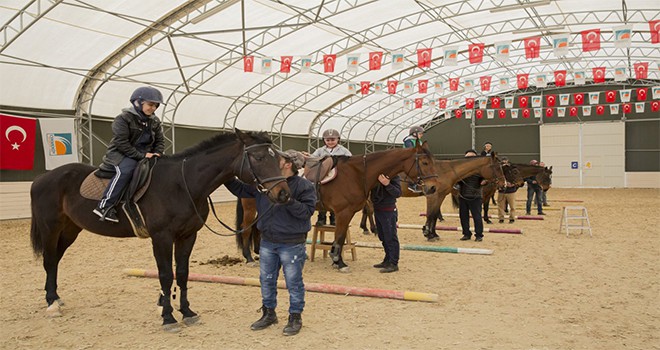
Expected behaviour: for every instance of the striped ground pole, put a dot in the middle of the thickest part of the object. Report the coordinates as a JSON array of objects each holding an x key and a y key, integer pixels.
[
  {"x": 430, "y": 248},
  {"x": 455, "y": 228},
  {"x": 518, "y": 217}
]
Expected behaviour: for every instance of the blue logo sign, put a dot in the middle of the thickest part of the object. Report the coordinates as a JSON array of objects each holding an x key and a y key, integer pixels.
[{"x": 574, "y": 165}]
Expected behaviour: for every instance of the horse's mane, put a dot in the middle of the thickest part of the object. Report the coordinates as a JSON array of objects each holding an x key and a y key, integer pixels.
[{"x": 217, "y": 141}]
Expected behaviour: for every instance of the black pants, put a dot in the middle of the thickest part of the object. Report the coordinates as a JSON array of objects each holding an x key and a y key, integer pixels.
[
  {"x": 386, "y": 227},
  {"x": 467, "y": 207}
]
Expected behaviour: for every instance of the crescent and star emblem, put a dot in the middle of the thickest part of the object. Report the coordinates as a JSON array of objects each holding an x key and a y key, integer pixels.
[{"x": 15, "y": 145}]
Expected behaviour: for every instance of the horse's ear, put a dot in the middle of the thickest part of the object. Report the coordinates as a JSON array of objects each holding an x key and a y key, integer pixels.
[{"x": 243, "y": 137}]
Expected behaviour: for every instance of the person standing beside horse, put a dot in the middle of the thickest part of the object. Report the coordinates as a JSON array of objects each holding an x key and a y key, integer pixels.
[
  {"x": 507, "y": 196},
  {"x": 470, "y": 200},
  {"x": 137, "y": 134},
  {"x": 283, "y": 233},
  {"x": 332, "y": 148},
  {"x": 414, "y": 137},
  {"x": 383, "y": 197},
  {"x": 533, "y": 188}
]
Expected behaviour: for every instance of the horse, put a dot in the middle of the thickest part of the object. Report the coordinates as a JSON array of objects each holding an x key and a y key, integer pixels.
[
  {"x": 174, "y": 208},
  {"x": 356, "y": 176}
]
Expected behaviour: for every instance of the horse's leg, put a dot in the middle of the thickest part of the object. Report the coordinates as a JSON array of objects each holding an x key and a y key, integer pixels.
[
  {"x": 340, "y": 237},
  {"x": 59, "y": 240},
  {"x": 363, "y": 221},
  {"x": 162, "y": 249},
  {"x": 372, "y": 224},
  {"x": 432, "y": 213},
  {"x": 486, "y": 206},
  {"x": 182, "y": 250}
]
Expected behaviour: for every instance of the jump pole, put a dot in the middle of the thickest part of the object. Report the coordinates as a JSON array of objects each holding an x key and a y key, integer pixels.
[
  {"x": 518, "y": 217},
  {"x": 455, "y": 228},
  {"x": 428, "y": 248},
  {"x": 311, "y": 287}
]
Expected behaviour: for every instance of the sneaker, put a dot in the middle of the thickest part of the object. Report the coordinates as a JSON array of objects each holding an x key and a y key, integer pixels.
[
  {"x": 478, "y": 239},
  {"x": 380, "y": 265},
  {"x": 501, "y": 221},
  {"x": 465, "y": 238},
  {"x": 389, "y": 268},
  {"x": 107, "y": 214},
  {"x": 511, "y": 221}
]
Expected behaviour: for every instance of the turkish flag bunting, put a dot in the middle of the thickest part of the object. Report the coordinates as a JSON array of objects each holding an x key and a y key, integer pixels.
[
  {"x": 610, "y": 96},
  {"x": 364, "y": 87},
  {"x": 375, "y": 60},
  {"x": 476, "y": 53},
  {"x": 485, "y": 83},
  {"x": 453, "y": 84},
  {"x": 419, "y": 102},
  {"x": 469, "y": 103},
  {"x": 550, "y": 100},
  {"x": 525, "y": 113},
  {"x": 502, "y": 113},
  {"x": 599, "y": 74},
  {"x": 549, "y": 111},
  {"x": 423, "y": 86},
  {"x": 655, "y": 106},
  {"x": 479, "y": 113},
  {"x": 641, "y": 70},
  {"x": 532, "y": 47},
  {"x": 459, "y": 113},
  {"x": 560, "y": 78},
  {"x": 600, "y": 109},
  {"x": 442, "y": 103},
  {"x": 590, "y": 40},
  {"x": 391, "y": 86},
  {"x": 523, "y": 81},
  {"x": 285, "y": 64},
  {"x": 572, "y": 111},
  {"x": 578, "y": 98},
  {"x": 424, "y": 58},
  {"x": 654, "y": 28},
  {"x": 627, "y": 108},
  {"x": 495, "y": 102},
  {"x": 641, "y": 94},
  {"x": 248, "y": 64},
  {"x": 329, "y": 63},
  {"x": 17, "y": 140},
  {"x": 522, "y": 101}
]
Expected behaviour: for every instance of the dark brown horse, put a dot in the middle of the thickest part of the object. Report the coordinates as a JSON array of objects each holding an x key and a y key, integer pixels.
[
  {"x": 174, "y": 208},
  {"x": 356, "y": 176}
]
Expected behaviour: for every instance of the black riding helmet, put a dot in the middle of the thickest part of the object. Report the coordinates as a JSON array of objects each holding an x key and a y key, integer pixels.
[{"x": 147, "y": 93}]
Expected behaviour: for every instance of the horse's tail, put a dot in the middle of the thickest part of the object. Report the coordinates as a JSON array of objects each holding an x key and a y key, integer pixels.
[
  {"x": 36, "y": 226},
  {"x": 454, "y": 199},
  {"x": 239, "y": 223}
]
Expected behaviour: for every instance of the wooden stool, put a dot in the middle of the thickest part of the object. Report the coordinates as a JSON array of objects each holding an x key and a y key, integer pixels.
[{"x": 319, "y": 242}]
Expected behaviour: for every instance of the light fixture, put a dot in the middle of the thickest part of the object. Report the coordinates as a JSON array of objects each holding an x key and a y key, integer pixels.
[
  {"x": 539, "y": 29},
  {"x": 520, "y": 6},
  {"x": 212, "y": 12}
]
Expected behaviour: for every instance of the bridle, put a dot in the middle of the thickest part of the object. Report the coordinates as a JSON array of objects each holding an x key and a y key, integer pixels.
[
  {"x": 420, "y": 175},
  {"x": 494, "y": 166},
  {"x": 260, "y": 182}
]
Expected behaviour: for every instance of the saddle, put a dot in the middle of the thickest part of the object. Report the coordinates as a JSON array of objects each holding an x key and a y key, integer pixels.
[
  {"x": 320, "y": 170},
  {"x": 97, "y": 181}
]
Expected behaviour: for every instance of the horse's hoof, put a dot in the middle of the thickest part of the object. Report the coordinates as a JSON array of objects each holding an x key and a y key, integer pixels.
[
  {"x": 60, "y": 302},
  {"x": 345, "y": 269},
  {"x": 252, "y": 264},
  {"x": 366, "y": 232},
  {"x": 189, "y": 321},
  {"x": 172, "y": 327},
  {"x": 53, "y": 310},
  {"x": 335, "y": 266},
  {"x": 433, "y": 239}
]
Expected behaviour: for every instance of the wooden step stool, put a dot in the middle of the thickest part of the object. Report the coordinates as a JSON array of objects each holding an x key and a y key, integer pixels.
[
  {"x": 570, "y": 213},
  {"x": 319, "y": 242}
]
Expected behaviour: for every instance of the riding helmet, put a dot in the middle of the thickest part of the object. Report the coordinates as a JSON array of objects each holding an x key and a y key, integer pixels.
[{"x": 147, "y": 93}]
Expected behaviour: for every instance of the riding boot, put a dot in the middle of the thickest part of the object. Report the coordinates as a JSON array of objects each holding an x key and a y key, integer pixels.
[
  {"x": 294, "y": 325},
  {"x": 268, "y": 318},
  {"x": 332, "y": 218}
]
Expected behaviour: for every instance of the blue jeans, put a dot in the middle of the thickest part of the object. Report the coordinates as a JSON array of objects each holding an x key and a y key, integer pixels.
[
  {"x": 291, "y": 257},
  {"x": 531, "y": 190}
]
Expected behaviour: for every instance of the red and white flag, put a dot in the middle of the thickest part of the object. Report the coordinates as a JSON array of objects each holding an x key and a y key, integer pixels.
[
  {"x": 423, "y": 86},
  {"x": 442, "y": 103},
  {"x": 655, "y": 106},
  {"x": 627, "y": 108},
  {"x": 523, "y": 81},
  {"x": 654, "y": 28},
  {"x": 525, "y": 112},
  {"x": 424, "y": 58},
  {"x": 459, "y": 113},
  {"x": 573, "y": 111},
  {"x": 591, "y": 40},
  {"x": 600, "y": 109},
  {"x": 533, "y": 47},
  {"x": 248, "y": 64},
  {"x": 550, "y": 100},
  {"x": 549, "y": 112},
  {"x": 495, "y": 102},
  {"x": 469, "y": 103},
  {"x": 329, "y": 63},
  {"x": 485, "y": 83},
  {"x": 364, "y": 87},
  {"x": 641, "y": 70},
  {"x": 641, "y": 94},
  {"x": 391, "y": 86},
  {"x": 578, "y": 98},
  {"x": 17, "y": 142},
  {"x": 502, "y": 113},
  {"x": 285, "y": 64},
  {"x": 523, "y": 101},
  {"x": 375, "y": 60},
  {"x": 476, "y": 53},
  {"x": 419, "y": 102},
  {"x": 453, "y": 84},
  {"x": 560, "y": 78},
  {"x": 599, "y": 74},
  {"x": 610, "y": 96},
  {"x": 479, "y": 113}
]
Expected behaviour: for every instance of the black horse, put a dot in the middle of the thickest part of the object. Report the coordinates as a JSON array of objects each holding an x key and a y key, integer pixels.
[{"x": 174, "y": 208}]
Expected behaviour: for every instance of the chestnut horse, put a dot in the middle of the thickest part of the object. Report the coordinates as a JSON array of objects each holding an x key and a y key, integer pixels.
[
  {"x": 174, "y": 208},
  {"x": 356, "y": 176}
]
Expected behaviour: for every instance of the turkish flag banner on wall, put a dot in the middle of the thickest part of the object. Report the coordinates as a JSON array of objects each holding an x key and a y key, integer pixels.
[
  {"x": 599, "y": 74},
  {"x": 523, "y": 81},
  {"x": 525, "y": 113},
  {"x": 502, "y": 113},
  {"x": 550, "y": 100},
  {"x": 423, "y": 86},
  {"x": 476, "y": 53},
  {"x": 532, "y": 47},
  {"x": 442, "y": 103},
  {"x": 459, "y": 113},
  {"x": 485, "y": 83},
  {"x": 641, "y": 94},
  {"x": 549, "y": 112},
  {"x": 391, "y": 86},
  {"x": 523, "y": 101},
  {"x": 17, "y": 141},
  {"x": 573, "y": 111},
  {"x": 590, "y": 40},
  {"x": 453, "y": 84},
  {"x": 329, "y": 63},
  {"x": 479, "y": 113},
  {"x": 495, "y": 102},
  {"x": 419, "y": 102},
  {"x": 610, "y": 96},
  {"x": 655, "y": 106},
  {"x": 641, "y": 70},
  {"x": 654, "y": 28},
  {"x": 627, "y": 108},
  {"x": 560, "y": 78},
  {"x": 248, "y": 64},
  {"x": 600, "y": 109},
  {"x": 424, "y": 58},
  {"x": 469, "y": 103},
  {"x": 375, "y": 60},
  {"x": 578, "y": 99},
  {"x": 285, "y": 64},
  {"x": 364, "y": 87}
]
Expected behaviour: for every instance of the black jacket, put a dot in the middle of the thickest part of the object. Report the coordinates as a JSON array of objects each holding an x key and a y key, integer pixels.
[
  {"x": 384, "y": 197},
  {"x": 127, "y": 129},
  {"x": 470, "y": 187}
]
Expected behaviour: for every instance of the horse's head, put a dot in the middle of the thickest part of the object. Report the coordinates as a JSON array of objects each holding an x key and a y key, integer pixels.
[
  {"x": 495, "y": 171},
  {"x": 512, "y": 175},
  {"x": 422, "y": 169},
  {"x": 544, "y": 178},
  {"x": 260, "y": 164}
]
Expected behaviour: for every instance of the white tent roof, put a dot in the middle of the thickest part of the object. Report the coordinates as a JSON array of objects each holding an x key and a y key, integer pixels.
[{"x": 89, "y": 55}]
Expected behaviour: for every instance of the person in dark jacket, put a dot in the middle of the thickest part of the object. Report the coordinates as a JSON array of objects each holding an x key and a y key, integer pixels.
[
  {"x": 414, "y": 138},
  {"x": 507, "y": 196},
  {"x": 533, "y": 188},
  {"x": 469, "y": 202},
  {"x": 137, "y": 134},
  {"x": 488, "y": 149},
  {"x": 283, "y": 233},
  {"x": 384, "y": 196}
]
